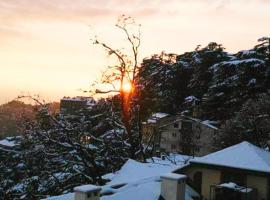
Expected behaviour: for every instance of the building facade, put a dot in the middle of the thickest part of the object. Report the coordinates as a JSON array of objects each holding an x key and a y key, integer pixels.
[
  {"x": 151, "y": 129},
  {"x": 75, "y": 105},
  {"x": 240, "y": 172},
  {"x": 181, "y": 134}
]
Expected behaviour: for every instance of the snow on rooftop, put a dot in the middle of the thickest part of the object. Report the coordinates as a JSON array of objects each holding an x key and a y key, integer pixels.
[
  {"x": 87, "y": 188},
  {"x": 90, "y": 101},
  {"x": 153, "y": 121},
  {"x": 209, "y": 124},
  {"x": 134, "y": 171},
  {"x": 68, "y": 196},
  {"x": 173, "y": 176},
  {"x": 160, "y": 115},
  {"x": 242, "y": 156},
  {"x": 138, "y": 181}
]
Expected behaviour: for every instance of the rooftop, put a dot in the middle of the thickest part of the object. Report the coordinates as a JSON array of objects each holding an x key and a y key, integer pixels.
[
  {"x": 137, "y": 180},
  {"x": 87, "y": 188},
  {"x": 242, "y": 156}
]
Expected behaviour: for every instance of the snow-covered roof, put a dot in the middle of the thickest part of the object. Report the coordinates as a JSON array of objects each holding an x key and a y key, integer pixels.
[
  {"x": 173, "y": 176},
  {"x": 151, "y": 121},
  {"x": 156, "y": 116},
  {"x": 87, "y": 188},
  {"x": 209, "y": 124},
  {"x": 137, "y": 180},
  {"x": 242, "y": 156},
  {"x": 134, "y": 171},
  {"x": 160, "y": 115},
  {"x": 90, "y": 101}
]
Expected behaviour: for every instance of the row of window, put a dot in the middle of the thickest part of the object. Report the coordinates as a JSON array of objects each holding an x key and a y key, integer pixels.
[{"x": 174, "y": 134}]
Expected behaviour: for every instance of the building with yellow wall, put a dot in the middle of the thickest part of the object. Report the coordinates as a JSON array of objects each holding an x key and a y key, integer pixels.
[{"x": 238, "y": 172}]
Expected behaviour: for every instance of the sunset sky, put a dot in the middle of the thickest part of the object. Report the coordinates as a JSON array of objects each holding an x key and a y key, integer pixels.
[{"x": 45, "y": 45}]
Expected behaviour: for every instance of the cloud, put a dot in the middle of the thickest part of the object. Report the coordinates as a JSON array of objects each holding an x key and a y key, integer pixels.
[
  {"x": 68, "y": 9},
  {"x": 17, "y": 16}
]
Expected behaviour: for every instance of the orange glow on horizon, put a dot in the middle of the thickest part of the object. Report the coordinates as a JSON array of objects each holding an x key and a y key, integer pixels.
[{"x": 45, "y": 46}]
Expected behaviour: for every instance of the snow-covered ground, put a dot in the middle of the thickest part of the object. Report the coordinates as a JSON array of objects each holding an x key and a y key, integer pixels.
[{"x": 137, "y": 180}]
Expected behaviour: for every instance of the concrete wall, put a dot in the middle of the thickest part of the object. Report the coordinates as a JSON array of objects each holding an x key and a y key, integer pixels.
[
  {"x": 206, "y": 139},
  {"x": 202, "y": 138},
  {"x": 213, "y": 177},
  {"x": 170, "y": 136},
  {"x": 83, "y": 196},
  {"x": 172, "y": 189},
  {"x": 209, "y": 177},
  {"x": 260, "y": 183},
  {"x": 149, "y": 128}
]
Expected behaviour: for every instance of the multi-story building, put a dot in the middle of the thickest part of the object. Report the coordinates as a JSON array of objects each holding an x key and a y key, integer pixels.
[
  {"x": 180, "y": 134},
  {"x": 188, "y": 136},
  {"x": 150, "y": 128},
  {"x": 75, "y": 105}
]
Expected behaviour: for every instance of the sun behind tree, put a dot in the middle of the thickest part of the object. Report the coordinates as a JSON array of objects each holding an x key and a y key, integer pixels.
[{"x": 127, "y": 87}]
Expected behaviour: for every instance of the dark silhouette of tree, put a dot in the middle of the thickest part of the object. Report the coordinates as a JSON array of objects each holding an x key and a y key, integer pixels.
[{"x": 124, "y": 72}]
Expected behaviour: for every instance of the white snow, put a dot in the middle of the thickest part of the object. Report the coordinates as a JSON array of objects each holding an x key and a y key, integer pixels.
[
  {"x": 134, "y": 171},
  {"x": 156, "y": 116},
  {"x": 235, "y": 187},
  {"x": 173, "y": 176},
  {"x": 160, "y": 115},
  {"x": 215, "y": 67},
  {"x": 263, "y": 38},
  {"x": 242, "y": 156},
  {"x": 137, "y": 180},
  {"x": 68, "y": 196},
  {"x": 208, "y": 123},
  {"x": 247, "y": 52},
  {"x": 191, "y": 99},
  {"x": 252, "y": 81},
  {"x": 9, "y": 142},
  {"x": 87, "y": 188},
  {"x": 151, "y": 121}
]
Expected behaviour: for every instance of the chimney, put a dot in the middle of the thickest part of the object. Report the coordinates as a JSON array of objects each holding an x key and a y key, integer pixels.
[
  {"x": 173, "y": 186},
  {"x": 87, "y": 192}
]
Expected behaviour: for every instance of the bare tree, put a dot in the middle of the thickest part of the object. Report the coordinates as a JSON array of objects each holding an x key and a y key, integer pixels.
[{"x": 124, "y": 72}]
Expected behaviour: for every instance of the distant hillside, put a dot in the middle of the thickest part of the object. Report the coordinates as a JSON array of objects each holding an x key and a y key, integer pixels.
[{"x": 13, "y": 115}]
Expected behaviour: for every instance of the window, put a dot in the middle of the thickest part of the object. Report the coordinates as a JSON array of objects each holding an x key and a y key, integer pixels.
[
  {"x": 232, "y": 176},
  {"x": 187, "y": 125},
  {"x": 176, "y": 125},
  {"x": 173, "y": 146},
  {"x": 174, "y": 134}
]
